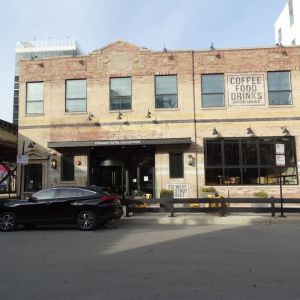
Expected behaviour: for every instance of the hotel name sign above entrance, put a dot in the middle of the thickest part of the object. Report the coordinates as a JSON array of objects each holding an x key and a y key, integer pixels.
[{"x": 246, "y": 89}]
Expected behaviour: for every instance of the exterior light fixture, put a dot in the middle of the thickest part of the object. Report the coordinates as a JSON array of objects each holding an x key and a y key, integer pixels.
[
  {"x": 90, "y": 116},
  {"x": 215, "y": 132},
  {"x": 250, "y": 131},
  {"x": 97, "y": 124},
  {"x": 53, "y": 163},
  {"x": 120, "y": 116},
  {"x": 190, "y": 160},
  {"x": 148, "y": 114},
  {"x": 285, "y": 130},
  {"x": 31, "y": 145}
]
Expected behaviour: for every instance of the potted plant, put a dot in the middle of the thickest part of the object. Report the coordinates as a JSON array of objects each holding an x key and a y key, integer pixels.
[
  {"x": 208, "y": 192},
  {"x": 166, "y": 194}
]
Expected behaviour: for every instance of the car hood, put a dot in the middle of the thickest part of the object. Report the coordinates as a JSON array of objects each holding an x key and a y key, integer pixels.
[{"x": 11, "y": 203}]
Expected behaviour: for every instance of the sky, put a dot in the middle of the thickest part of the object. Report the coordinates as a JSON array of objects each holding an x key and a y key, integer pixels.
[{"x": 177, "y": 24}]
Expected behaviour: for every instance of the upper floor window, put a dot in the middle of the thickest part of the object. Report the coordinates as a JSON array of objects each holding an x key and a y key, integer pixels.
[
  {"x": 35, "y": 98},
  {"x": 212, "y": 90},
  {"x": 279, "y": 84},
  {"x": 166, "y": 91},
  {"x": 76, "y": 95},
  {"x": 120, "y": 93}
]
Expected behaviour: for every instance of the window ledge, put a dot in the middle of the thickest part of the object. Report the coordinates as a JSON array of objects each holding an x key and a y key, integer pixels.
[
  {"x": 166, "y": 109},
  {"x": 35, "y": 115},
  {"x": 75, "y": 112},
  {"x": 281, "y": 106},
  {"x": 214, "y": 108},
  {"x": 122, "y": 110}
]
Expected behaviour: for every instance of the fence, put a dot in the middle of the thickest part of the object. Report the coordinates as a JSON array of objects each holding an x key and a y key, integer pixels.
[{"x": 223, "y": 206}]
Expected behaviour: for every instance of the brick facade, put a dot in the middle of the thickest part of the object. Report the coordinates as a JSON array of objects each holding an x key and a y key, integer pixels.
[{"x": 121, "y": 59}]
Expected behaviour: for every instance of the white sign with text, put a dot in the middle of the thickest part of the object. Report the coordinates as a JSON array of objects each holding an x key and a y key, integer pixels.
[
  {"x": 246, "y": 89},
  {"x": 181, "y": 190}
]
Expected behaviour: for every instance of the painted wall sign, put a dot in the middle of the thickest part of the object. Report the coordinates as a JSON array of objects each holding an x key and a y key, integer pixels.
[
  {"x": 246, "y": 89},
  {"x": 181, "y": 190}
]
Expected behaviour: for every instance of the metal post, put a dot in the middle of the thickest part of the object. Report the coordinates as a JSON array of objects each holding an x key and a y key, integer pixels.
[
  {"x": 272, "y": 206},
  {"x": 222, "y": 213},
  {"x": 281, "y": 198},
  {"x": 172, "y": 207},
  {"x": 21, "y": 190}
]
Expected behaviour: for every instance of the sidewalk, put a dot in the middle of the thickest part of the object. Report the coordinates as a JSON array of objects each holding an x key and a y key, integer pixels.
[{"x": 208, "y": 219}]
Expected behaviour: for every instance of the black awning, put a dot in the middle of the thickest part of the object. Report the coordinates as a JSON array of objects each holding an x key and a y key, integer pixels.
[{"x": 134, "y": 142}]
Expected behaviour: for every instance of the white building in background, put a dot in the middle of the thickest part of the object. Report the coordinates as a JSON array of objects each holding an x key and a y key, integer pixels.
[
  {"x": 30, "y": 50},
  {"x": 287, "y": 25}
]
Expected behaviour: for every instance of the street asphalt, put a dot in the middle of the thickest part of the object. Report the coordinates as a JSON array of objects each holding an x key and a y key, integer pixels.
[{"x": 153, "y": 256}]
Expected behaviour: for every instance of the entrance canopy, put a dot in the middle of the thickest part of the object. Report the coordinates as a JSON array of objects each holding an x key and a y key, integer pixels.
[{"x": 134, "y": 142}]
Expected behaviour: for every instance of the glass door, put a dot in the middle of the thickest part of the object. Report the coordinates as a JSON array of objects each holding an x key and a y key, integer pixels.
[{"x": 33, "y": 179}]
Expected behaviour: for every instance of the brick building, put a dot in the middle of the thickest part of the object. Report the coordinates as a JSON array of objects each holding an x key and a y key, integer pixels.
[{"x": 139, "y": 120}]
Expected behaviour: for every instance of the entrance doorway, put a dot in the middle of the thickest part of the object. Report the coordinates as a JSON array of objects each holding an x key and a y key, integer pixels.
[
  {"x": 126, "y": 171},
  {"x": 33, "y": 179},
  {"x": 112, "y": 177}
]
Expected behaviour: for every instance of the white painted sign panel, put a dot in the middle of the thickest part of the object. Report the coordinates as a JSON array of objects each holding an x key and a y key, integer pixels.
[
  {"x": 22, "y": 159},
  {"x": 280, "y": 149},
  {"x": 181, "y": 190},
  {"x": 280, "y": 160},
  {"x": 246, "y": 89}
]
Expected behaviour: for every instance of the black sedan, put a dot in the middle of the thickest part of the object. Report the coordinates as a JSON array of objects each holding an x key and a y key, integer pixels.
[{"x": 87, "y": 207}]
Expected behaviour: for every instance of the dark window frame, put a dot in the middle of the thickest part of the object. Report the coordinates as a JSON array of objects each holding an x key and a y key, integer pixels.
[
  {"x": 273, "y": 91},
  {"x": 259, "y": 165},
  {"x": 171, "y": 171},
  {"x": 75, "y": 99},
  {"x": 155, "y": 89},
  {"x": 16, "y": 93},
  {"x": 63, "y": 175},
  {"x": 119, "y": 97},
  {"x": 216, "y": 93}
]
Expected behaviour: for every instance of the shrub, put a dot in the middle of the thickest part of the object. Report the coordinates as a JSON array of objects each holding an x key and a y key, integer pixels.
[
  {"x": 261, "y": 194},
  {"x": 165, "y": 192},
  {"x": 208, "y": 190}
]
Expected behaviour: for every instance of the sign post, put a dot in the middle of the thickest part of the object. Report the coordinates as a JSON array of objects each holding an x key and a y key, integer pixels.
[{"x": 280, "y": 162}]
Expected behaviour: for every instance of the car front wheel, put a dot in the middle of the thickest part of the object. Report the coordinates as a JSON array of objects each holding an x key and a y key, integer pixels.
[
  {"x": 8, "y": 221},
  {"x": 86, "y": 220}
]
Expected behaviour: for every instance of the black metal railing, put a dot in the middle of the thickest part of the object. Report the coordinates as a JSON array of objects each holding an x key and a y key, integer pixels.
[{"x": 222, "y": 206}]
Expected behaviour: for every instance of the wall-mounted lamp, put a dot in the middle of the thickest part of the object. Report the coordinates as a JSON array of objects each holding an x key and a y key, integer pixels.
[
  {"x": 250, "y": 131},
  {"x": 190, "y": 160},
  {"x": 31, "y": 145},
  {"x": 285, "y": 130},
  {"x": 53, "y": 163},
  {"x": 97, "y": 124},
  {"x": 215, "y": 132},
  {"x": 148, "y": 114},
  {"x": 90, "y": 117},
  {"x": 120, "y": 116},
  {"x": 77, "y": 162}
]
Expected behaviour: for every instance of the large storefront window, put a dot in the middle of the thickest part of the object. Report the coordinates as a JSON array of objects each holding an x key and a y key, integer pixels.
[{"x": 248, "y": 161}]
